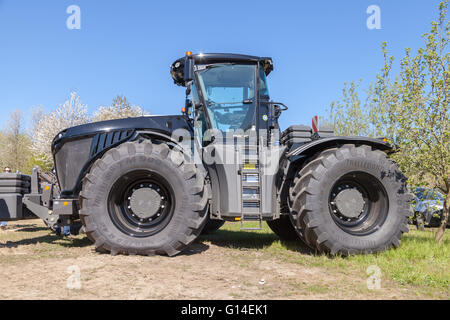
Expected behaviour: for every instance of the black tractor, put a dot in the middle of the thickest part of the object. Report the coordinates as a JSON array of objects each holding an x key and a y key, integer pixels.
[{"x": 151, "y": 185}]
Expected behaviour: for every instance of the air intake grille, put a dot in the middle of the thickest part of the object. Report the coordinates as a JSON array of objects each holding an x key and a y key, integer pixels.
[{"x": 104, "y": 140}]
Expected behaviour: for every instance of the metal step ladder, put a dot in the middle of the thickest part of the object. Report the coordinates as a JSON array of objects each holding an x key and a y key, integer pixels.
[{"x": 250, "y": 186}]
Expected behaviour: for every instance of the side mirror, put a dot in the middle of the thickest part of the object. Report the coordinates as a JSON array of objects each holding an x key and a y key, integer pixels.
[
  {"x": 197, "y": 105},
  {"x": 276, "y": 111},
  {"x": 188, "y": 104},
  {"x": 188, "y": 69}
]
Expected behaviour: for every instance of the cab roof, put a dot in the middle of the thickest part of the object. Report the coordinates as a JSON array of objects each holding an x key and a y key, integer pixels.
[{"x": 177, "y": 68}]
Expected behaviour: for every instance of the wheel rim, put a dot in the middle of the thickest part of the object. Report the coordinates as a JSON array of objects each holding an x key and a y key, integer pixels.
[
  {"x": 358, "y": 203},
  {"x": 141, "y": 203}
]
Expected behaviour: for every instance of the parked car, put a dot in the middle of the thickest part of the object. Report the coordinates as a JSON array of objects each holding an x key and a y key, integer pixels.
[{"x": 428, "y": 206}]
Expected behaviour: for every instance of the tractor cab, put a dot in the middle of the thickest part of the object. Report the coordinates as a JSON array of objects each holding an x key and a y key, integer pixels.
[
  {"x": 235, "y": 121},
  {"x": 228, "y": 93}
]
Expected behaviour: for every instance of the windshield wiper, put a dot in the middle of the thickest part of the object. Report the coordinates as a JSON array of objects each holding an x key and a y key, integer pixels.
[
  {"x": 246, "y": 101},
  {"x": 205, "y": 68}
]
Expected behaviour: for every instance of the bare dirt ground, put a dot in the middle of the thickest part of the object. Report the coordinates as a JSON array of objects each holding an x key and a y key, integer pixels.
[{"x": 36, "y": 264}]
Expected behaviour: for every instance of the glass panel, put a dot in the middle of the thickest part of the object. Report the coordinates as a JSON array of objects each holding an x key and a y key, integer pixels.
[
  {"x": 229, "y": 91},
  {"x": 199, "y": 116},
  {"x": 263, "y": 88}
]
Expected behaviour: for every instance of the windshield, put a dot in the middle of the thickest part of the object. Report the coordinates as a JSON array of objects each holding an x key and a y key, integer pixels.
[{"x": 229, "y": 91}]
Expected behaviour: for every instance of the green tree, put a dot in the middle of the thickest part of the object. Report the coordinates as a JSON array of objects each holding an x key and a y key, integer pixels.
[
  {"x": 411, "y": 109},
  {"x": 422, "y": 118},
  {"x": 348, "y": 116}
]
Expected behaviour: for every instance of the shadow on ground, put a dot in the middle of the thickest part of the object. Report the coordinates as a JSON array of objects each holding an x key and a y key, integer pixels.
[
  {"x": 240, "y": 240},
  {"x": 28, "y": 228},
  {"x": 194, "y": 248},
  {"x": 50, "y": 238},
  {"x": 243, "y": 240}
]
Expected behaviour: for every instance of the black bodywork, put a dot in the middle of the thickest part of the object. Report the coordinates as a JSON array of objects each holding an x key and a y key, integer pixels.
[{"x": 75, "y": 149}]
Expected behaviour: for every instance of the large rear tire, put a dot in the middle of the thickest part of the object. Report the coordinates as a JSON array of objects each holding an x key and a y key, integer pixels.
[
  {"x": 283, "y": 228},
  {"x": 143, "y": 198},
  {"x": 350, "y": 200}
]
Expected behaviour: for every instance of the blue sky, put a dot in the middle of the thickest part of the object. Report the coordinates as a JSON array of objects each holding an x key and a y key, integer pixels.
[{"x": 126, "y": 47}]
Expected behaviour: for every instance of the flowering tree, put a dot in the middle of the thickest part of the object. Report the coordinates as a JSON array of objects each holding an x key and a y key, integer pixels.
[{"x": 47, "y": 125}]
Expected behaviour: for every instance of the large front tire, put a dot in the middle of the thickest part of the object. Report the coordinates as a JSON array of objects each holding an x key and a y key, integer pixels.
[
  {"x": 143, "y": 198},
  {"x": 350, "y": 200}
]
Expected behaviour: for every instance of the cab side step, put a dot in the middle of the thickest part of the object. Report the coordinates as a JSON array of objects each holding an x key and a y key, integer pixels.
[{"x": 250, "y": 186}]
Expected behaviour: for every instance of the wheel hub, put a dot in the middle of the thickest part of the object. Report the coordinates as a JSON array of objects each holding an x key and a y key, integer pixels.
[
  {"x": 350, "y": 203},
  {"x": 145, "y": 202},
  {"x": 358, "y": 203}
]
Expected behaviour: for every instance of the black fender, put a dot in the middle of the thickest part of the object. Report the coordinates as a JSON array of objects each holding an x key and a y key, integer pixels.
[
  {"x": 295, "y": 157},
  {"x": 89, "y": 142},
  {"x": 315, "y": 146},
  {"x": 99, "y": 148}
]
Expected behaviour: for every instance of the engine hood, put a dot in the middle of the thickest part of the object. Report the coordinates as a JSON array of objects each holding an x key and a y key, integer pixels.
[
  {"x": 161, "y": 124},
  {"x": 75, "y": 149}
]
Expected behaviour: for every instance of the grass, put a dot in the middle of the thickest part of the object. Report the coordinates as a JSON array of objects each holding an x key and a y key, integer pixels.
[{"x": 419, "y": 262}]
